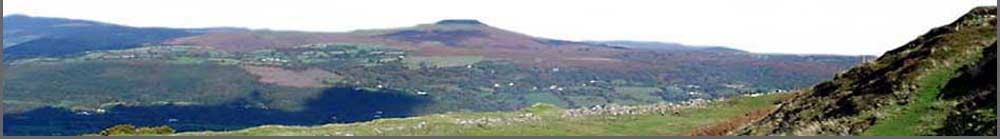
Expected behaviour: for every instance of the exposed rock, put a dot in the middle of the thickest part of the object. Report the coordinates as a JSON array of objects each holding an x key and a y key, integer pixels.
[{"x": 976, "y": 92}]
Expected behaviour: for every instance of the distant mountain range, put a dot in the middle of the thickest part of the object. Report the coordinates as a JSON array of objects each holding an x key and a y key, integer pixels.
[
  {"x": 665, "y": 46},
  {"x": 27, "y": 36}
]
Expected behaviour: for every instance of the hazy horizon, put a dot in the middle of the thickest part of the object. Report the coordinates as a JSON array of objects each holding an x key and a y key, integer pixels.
[{"x": 771, "y": 26}]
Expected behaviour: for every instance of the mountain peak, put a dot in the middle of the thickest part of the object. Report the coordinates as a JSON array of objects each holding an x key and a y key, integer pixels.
[
  {"x": 16, "y": 15},
  {"x": 459, "y": 22}
]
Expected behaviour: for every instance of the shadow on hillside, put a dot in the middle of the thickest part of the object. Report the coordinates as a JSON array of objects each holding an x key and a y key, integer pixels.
[{"x": 335, "y": 105}]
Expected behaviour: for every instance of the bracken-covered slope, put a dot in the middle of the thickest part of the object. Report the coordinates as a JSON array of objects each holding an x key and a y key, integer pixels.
[
  {"x": 901, "y": 93},
  {"x": 27, "y": 37}
]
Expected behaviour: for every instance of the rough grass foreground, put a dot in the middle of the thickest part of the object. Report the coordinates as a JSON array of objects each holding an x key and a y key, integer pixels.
[{"x": 539, "y": 120}]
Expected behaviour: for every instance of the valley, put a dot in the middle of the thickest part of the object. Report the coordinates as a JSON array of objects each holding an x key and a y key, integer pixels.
[
  {"x": 70, "y": 77},
  {"x": 455, "y": 65}
]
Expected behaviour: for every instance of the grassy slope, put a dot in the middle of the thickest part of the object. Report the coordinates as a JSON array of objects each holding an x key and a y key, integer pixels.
[
  {"x": 896, "y": 95},
  {"x": 548, "y": 124},
  {"x": 926, "y": 111},
  {"x": 917, "y": 118}
]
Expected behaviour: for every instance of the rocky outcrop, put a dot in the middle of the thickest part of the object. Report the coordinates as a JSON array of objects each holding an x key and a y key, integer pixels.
[{"x": 975, "y": 90}]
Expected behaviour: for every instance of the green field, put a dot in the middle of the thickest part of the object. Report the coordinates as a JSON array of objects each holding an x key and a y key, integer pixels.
[
  {"x": 919, "y": 117},
  {"x": 538, "y": 120},
  {"x": 440, "y": 61},
  {"x": 93, "y": 84}
]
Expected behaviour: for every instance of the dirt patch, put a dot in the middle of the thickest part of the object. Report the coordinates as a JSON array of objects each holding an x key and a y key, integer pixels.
[
  {"x": 723, "y": 128},
  {"x": 308, "y": 78}
]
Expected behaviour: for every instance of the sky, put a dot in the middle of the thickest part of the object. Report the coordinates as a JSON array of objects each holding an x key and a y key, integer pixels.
[{"x": 844, "y": 27}]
